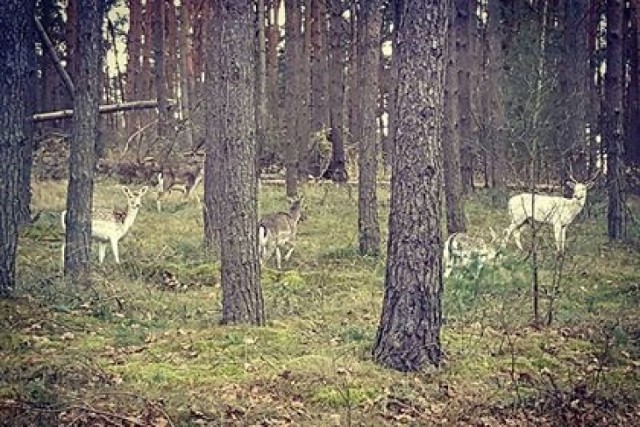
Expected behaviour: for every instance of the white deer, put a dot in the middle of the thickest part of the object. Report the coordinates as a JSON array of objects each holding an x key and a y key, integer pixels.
[
  {"x": 109, "y": 226},
  {"x": 278, "y": 230},
  {"x": 555, "y": 210},
  {"x": 462, "y": 250}
]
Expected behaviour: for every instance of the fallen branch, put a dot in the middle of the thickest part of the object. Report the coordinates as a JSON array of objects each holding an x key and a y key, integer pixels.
[{"x": 103, "y": 109}]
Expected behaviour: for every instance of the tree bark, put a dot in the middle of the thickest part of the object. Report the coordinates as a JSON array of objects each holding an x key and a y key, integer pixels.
[
  {"x": 17, "y": 67},
  {"x": 462, "y": 27},
  {"x": 498, "y": 119},
  {"x": 453, "y": 194},
  {"x": 613, "y": 131},
  {"x": 319, "y": 83},
  {"x": 233, "y": 23},
  {"x": 632, "y": 98},
  {"x": 293, "y": 94},
  {"x": 184, "y": 43},
  {"x": 261, "y": 82},
  {"x": 408, "y": 336},
  {"x": 82, "y": 151},
  {"x": 159, "y": 71},
  {"x": 337, "y": 165},
  {"x": 370, "y": 23}
]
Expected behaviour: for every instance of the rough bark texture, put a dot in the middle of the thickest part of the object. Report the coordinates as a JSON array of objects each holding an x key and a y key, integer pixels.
[
  {"x": 456, "y": 221},
  {"x": 134, "y": 48},
  {"x": 337, "y": 165},
  {"x": 496, "y": 109},
  {"x": 370, "y": 24},
  {"x": 242, "y": 300},
  {"x": 160, "y": 81},
  {"x": 17, "y": 68},
  {"x": 462, "y": 27},
  {"x": 83, "y": 142},
  {"x": 184, "y": 42},
  {"x": 319, "y": 82},
  {"x": 613, "y": 136},
  {"x": 408, "y": 336},
  {"x": 261, "y": 80},
  {"x": 293, "y": 92},
  {"x": 632, "y": 98}
]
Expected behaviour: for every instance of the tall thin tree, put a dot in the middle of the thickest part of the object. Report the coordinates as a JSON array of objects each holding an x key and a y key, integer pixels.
[
  {"x": 82, "y": 156},
  {"x": 613, "y": 120},
  {"x": 408, "y": 335},
  {"x": 370, "y": 24}
]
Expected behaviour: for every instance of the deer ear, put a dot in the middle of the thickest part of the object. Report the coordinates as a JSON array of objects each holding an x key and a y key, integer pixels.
[
  {"x": 126, "y": 190},
  {"x": 143, "y": 190}
]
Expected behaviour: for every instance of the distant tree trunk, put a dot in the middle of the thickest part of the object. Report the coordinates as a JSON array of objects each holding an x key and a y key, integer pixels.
[
  {"x": 17, "y": 67},
  {"x": 304, "y": 85},
  {"x": 496, "y": 108},
  {"x": 82, "y": 156},
  {"x": 185, "y": 73},
  {"x": 319, "y": 82},
  {"x": 171, "y": 47},
  {"x": 353, "y": 91},
  {"x": 273, "y": 83},
  {"x": 293, "y": 92},
  {"x": 261, "y": 83},
  {"x": 145, "y": 86},
  {"x": 456, "y": 221},
  {"x": 462, "y": 27},
  {"x": 160, "y": 81},
  {"x": 370, "y": 24},
  {"x": 71, "y": 37},
  {"x": 613, "y": 136},
  {"x": 134, "y": 50},
  {"x": 337, "y": 165},
  {"x": 408, "y": 336},
  {"x": 632, "y": 98},
  {"x": 242, "y": 300}
]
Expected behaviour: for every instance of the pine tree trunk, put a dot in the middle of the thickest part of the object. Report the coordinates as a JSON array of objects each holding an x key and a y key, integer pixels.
[
  {"x": 261, "y": 83},
  {"x": 456, "y": 221},
  {"x": 337, "y": 165},
  {"x": 242, "y": 300},
  {"x": 185, "y": 72},
  {"x": 293, "y": 93},
  {"x": 632, "y": 98},
  {"x": 408, "y": 336},
  {"x": 370, "y": 23},
  {"x": 319, "y": 83},
  {"x": 16, "y": 108},
  {"x": 82, "y": 156},
  {"x": 160, "y": 81},
  {"x": 462, "y": 26},
  {"x": 613, "y": 135}
]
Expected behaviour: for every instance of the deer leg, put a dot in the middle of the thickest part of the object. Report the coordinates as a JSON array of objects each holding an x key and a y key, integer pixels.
[
  {"x": 278, "y": 258},
  {"x": 288, "y": 255},
  {"x": 62, "y": 251},
  {"x": 114, "y": 249},
  {"x": 102, "y": 250},
  {"x": 159, "y": 201}
]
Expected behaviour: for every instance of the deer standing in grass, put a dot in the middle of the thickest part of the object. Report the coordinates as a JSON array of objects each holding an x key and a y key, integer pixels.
[
  {"x": 555, "y": 210},
  {"x": 462, "y": 250},
  {"x": 109, "y": 226},
  {"x": 277, "y": 231},
  {"x": 186, "y": 182}
]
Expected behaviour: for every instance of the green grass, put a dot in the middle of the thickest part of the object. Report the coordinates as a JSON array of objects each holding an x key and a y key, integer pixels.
[{"x": 128, "y": 341}]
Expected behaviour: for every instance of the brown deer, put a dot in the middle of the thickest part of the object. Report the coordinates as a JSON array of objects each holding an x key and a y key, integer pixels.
[
  {"x": 186, "y": 182},
  {"x": 278, "y": 230}
]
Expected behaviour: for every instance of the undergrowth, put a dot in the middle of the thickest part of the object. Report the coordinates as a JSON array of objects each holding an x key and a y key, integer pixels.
[{"x": 133, "y": 350}]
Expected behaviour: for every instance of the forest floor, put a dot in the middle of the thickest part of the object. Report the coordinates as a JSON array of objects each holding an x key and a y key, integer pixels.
[{"x": 136, "y": 350}]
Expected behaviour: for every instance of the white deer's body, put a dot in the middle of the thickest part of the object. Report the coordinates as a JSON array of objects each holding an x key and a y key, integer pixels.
[
  {"x": 555, "y": 210},
  {"x": 108, "y": 227},
  {"x": 186, "y": 182},
  {"x": 278, "y": 230},
  {"x": 463, "y": 250}
]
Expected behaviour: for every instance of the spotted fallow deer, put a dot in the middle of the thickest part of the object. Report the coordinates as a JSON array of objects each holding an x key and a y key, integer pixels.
[{"x": 109, "y": 226}]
